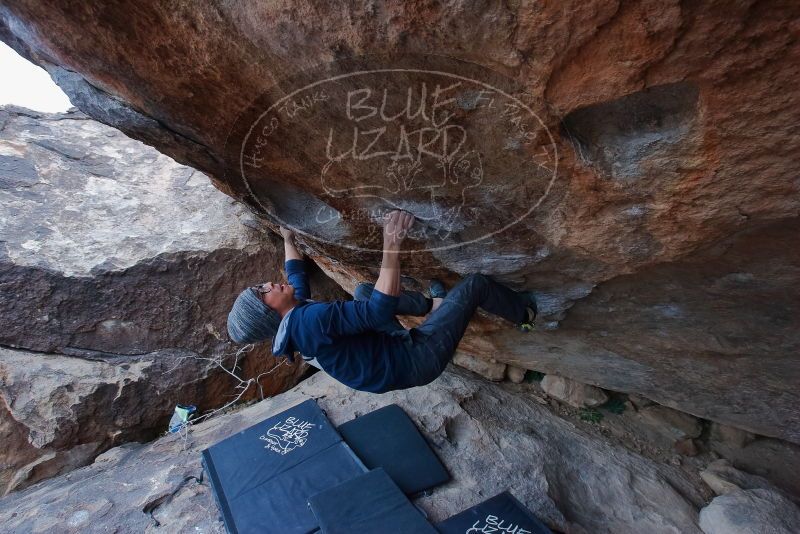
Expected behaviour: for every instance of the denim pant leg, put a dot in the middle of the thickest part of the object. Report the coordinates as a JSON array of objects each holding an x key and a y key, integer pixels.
[
  {"x": 436, "y": 340},
  {"x": 410, "y": 303}
]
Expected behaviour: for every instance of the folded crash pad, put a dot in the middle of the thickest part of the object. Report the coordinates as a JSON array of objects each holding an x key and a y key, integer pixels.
[
  {"x": 369, "y": 504},
  {"x": 501, "y": 514},
  {"x": 388, "y": 438},
  {"x": 262, "y": 477}
]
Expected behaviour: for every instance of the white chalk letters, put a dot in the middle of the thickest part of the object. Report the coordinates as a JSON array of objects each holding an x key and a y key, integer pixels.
[
  {"x": 287, "y": 436},
  {"x": 494, "y": 525}
]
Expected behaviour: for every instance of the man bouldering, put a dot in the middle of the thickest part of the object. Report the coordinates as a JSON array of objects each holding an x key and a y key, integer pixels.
[{"x": 360, "y": 343}]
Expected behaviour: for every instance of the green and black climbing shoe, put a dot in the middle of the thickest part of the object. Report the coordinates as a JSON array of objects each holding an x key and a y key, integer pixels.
[{"x": 528, "y": 325}]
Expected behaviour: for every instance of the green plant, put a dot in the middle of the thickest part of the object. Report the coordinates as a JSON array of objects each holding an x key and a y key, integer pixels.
[
  {"x": 615, "y": 405},
  {"x": 591, "y": 415}
]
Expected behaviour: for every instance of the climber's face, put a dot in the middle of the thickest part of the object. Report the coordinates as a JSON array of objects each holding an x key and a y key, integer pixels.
[{"x": 279, "y": 297}]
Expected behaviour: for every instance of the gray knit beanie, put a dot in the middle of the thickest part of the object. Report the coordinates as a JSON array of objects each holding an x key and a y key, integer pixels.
[{"x": 250, "y": 320}]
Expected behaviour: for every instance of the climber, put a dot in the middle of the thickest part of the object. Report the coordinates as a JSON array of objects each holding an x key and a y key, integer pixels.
[{"x": 360, "y": 343}]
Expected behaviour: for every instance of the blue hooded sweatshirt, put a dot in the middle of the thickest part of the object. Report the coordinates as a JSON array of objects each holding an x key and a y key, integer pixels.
[{"x": 341, "y": 335}]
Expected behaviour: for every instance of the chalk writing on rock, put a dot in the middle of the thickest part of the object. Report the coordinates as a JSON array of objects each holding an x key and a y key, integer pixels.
[{"x": 458, "y": 146}]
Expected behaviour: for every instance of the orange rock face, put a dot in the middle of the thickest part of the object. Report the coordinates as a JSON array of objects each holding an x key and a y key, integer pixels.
[{"x": 637, "y": 168}]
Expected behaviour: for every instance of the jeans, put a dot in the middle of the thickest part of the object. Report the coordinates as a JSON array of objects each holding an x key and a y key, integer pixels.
[
  {"x": 430, "y": 346},
  {"x": 410, "y": 303}
]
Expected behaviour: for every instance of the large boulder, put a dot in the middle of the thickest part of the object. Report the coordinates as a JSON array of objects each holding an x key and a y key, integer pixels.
[
  {"x": 774, "y": 459},
  {"x": 723, "y": 478},
  {"x": 572, "y": 392},
  {"x": 110, "y": 246},
  {"x": 489, "y": 437},
  {"x": 60, "y": 412},
  {"x": 762, "y": 511},
  {"x": 669, "y": 427},
  {"x": 117, "y": 268},
  {"x": 632, "y": 163}
]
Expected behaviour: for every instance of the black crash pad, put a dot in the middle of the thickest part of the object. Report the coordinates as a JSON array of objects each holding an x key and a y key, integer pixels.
[
  {"x": 500, "y": 514},
  {"x": 262, "y": 477},
  {"x": 369, "y": 504},
  {"x": 388, "y": 438}
]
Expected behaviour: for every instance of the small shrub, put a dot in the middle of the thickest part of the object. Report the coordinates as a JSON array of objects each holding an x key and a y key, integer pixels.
[
  {"x": 591, "y": 415},
  {"x": 615, "y": 405}
]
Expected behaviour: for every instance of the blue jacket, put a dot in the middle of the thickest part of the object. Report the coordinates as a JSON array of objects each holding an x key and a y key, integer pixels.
[{"x": 341, "y": 335}]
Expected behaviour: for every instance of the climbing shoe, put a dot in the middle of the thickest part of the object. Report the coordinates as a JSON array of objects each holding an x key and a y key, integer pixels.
[
  {"x": 436, "y": 289},
  {"x": 528, "y": 325}
]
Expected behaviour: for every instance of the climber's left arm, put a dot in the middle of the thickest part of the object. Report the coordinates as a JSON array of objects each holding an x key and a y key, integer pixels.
[
  {"x": 295, "y": 266},
  {"x": 289, "y": 249}
]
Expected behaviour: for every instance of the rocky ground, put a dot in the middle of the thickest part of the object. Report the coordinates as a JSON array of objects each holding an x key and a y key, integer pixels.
[
  {"x": 666, "y": 435},
  {"x": 491, "y": 437}
]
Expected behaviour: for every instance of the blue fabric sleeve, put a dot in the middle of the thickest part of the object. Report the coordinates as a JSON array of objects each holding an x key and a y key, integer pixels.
[
  {"x": 353, "y": 317},
  {"x": 296, "y": 274}
]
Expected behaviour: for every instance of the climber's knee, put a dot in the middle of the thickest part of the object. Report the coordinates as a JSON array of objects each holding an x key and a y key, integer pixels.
[
  {"x": 363, "y": 291},
  {"x": 477, "y": 279}
]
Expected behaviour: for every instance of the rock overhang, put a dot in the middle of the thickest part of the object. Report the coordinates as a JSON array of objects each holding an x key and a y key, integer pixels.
[{"x": 685, "y": 154}]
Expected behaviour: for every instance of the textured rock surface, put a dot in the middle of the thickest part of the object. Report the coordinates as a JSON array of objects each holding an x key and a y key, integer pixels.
[
  {"x": 748, "y": 511},
  {"x": 490, "y": 439},
  {"x": 662, "y": 427},
  {"x": 110, "y": 246},
  {"x": 670, "y": 425},
  {"x": 117, "y": 269},
  {"x": 60, "y": 412},
  {"x": 572, "y": 392},
  {"x": 515, "y": 374},
  {"x": 489, "y": 369},
  {"x": 669, "y": 233},
  {"x": 775, "y": 460},
  {"x": 724, "y": 478},
  {"x": 730, "y": 437}
]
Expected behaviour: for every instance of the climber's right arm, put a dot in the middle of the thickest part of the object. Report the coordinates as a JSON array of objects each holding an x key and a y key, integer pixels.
[
  {"x": 353, "y": 317},
  {"x": 398, "y": 223}
]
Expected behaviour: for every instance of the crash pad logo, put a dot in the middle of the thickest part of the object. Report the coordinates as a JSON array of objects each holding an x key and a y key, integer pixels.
[
  {"x": 330, "y": 151},
  {"x": 284, "y": 437},
  {"x": 494, "y": 525}
]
